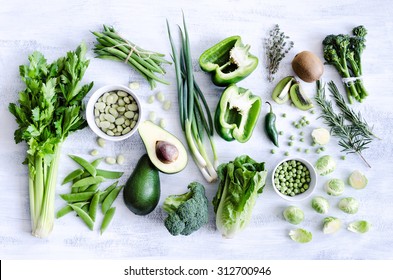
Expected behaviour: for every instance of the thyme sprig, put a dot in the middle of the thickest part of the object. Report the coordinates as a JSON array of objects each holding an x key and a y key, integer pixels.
[
  {"x": 277, "y": 46},
  {"x": 353, "y": 137}
]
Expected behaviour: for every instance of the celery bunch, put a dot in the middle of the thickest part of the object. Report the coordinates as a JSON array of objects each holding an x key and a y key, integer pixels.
[{"x": 50, "y": 107}]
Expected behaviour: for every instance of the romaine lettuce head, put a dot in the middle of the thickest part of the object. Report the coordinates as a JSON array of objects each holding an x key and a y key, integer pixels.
[{"x": 240, "y": 183}]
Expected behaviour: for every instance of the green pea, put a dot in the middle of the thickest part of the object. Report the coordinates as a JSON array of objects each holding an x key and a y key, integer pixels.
[
  {"x": 286, "y": 154},
  {"x": 301, "y": 139},
  {"x": 107, "y": 203},
  {"x": 281, "y": 133},
  {"x": 107, "y": 219},
  {"x": 284, "y": 115},
  {"x": 85, "y": 164},
  {"x": 290, "y": 143},
  {"x": 73, "y": 175},
  {"x": 272, "y": 151},
  {"x": 343, "y": 157},
  {"x": 301, "y": 133},
  {"x": 77, "y": 197},
  {"x": 292, "y": 137},
  {"x": 84, "y": 216}
]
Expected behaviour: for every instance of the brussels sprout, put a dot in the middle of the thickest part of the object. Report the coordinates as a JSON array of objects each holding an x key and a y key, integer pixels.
[
  {"x": 331, "y": 225},
  {"x": 349, "y": 205},
  {"x": 325, "y": 165},
  {"x": 320, "y": 204},
  {"x": 320, "y": 136},
  {"x": 293, "y": 215},
  {"x": 359, "y": 226},
  {"x": 357, "y": 180},
  {"x": 334, "y": 187},
  {"x": 300, "y": 235}
]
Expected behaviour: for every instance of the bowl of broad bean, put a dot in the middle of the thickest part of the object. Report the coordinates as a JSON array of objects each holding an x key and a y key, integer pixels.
[
  {"x": 294, "y": 179},
  {"x": 113, "y": 112}
]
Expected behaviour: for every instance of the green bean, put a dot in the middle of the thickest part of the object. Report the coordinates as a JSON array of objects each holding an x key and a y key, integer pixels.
[
  {"x": 77, "y": 197},
  {"x": 71, "y": 176},
  {"x": 68, "y": 209},
  {"x": 94, "y": 205},
  {"x": 85, "y": 164},
  {"x": 107, "y": 191},
  {"x": 107, "y": 219},
  {"x": 84, "y": 216},
  {"x": 109, "y": 174},
  {"x": 88, "y": 181},
  {"x": 108, "y": 201}
]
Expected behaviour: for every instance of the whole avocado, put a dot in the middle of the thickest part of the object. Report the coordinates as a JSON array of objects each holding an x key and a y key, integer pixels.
[{"x": 142, "y": 190}]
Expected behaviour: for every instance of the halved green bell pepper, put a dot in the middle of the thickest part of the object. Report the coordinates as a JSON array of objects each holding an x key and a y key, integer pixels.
[
  {"x": 229, "y": 61},
  {"x": 237, "y": 114}
]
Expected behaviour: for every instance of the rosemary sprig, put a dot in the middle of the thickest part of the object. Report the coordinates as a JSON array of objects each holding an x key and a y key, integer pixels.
[
  {"x": 276, "y": 47},
  {"x": 352, "y": 137},
  {"x": 349, "y": 114}
]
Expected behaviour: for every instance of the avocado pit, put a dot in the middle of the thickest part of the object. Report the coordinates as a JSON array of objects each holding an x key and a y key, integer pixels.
[{"x": 166, "y": 152}]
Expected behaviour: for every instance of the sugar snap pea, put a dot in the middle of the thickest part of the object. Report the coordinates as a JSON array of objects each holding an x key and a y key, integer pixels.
[
  {"x": 68, "y": 209},
  {"x": 77, "y": 197},
  {"x": 71, "y": 176},
  {"x": 84, "y": 216},
  {"x": 107, "y": 219},
  {"x": 107, "y": 191},
  {"x": 92, "y": 188},
  {"x": 85, "y": 164},
  {"x": 109, "y": 174},
  {"x": 96, "y": 162},
  {"x": 94, "y": 205},
  {"x": 107, "y": 203},
  {"x": 85, "y": 182}
]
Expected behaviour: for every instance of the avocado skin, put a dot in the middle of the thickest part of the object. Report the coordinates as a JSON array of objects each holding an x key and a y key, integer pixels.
[{"x": 142, "y": 190}]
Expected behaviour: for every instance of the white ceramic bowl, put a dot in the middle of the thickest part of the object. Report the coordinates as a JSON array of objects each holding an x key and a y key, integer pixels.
[
  {"x": 312, "y": 184},
  {"x": 90, "y": 112}
]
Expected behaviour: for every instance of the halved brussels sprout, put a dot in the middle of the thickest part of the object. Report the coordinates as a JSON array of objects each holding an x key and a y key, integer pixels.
[
  {"x": 359, "y": 226},
  {"x": 325, "y": 165},
  {"x": 300, "y": 235},
  {"x": 293, "y": 215},
  {"x": 321, "y": 136},
  {"x": 349, "y": 205},
  {"x": 331, "y": 225},
  {"x": 334, "y": 187},
  {"x": 357, "y": 180},
  {"x": 320, "y": 204}
]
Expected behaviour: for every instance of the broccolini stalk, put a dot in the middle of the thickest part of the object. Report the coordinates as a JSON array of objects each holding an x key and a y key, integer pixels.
[{"x": 50, "y": 107}]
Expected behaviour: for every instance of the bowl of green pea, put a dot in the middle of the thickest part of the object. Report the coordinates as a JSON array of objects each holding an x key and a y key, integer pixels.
[{"x": 294, "y": 179}]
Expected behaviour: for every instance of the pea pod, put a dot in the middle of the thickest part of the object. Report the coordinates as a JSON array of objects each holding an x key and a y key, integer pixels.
[
  {"x": 107, "y": 219},
  {"x": 92, "y": 188},
  {"x": 85, "y": 164},
  {"x": 107, "y": 191},
  {"x": 73, "y": 175},
  {"x": 107, "y": 203},
  {"x": 77, "y": 197},
  {"x": 94, "y": 205},
  {"x": 270, "y": 126},
  {"x": 68, "y": 209},
  {"x": 96, "y": 162},
  {"x": 84, "y": 216},
  {"x": 88, "y": 181},
  {"x": 109, "y": 174}
]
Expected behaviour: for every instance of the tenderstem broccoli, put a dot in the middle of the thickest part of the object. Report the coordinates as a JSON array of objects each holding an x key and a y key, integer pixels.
[{"x": 344, "y": 53}]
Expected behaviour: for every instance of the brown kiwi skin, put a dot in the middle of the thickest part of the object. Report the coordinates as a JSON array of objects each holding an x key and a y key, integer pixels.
[{"x": 307, "y": 66}]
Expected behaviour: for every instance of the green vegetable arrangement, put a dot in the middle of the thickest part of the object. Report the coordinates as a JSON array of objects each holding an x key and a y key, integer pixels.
[
  {"x": 344, "y": 52},
  {"x": 110, "y": 45},
  {"x": 195, "y": 117},
  {"x": 49, "y": 109},
  {"x": 187, "y": 212},
  {"x": 241, "y": 182}
]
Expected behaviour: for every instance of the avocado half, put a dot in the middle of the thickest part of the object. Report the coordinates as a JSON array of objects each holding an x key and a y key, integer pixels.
[{"x": 165, "y": 150}]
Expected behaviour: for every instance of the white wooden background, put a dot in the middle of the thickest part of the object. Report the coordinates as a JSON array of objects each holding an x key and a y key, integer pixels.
[{"x": 54, "y": 27}]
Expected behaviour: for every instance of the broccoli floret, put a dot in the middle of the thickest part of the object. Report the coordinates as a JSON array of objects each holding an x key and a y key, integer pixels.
[
  {"x": 360, "y": 31},
  {"x": 187, "y": 212}
]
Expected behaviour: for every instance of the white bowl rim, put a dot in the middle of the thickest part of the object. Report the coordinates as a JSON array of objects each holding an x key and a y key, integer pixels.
[
  {"x": 308, "y": 192},
  {"x": 90, "y": 112}
]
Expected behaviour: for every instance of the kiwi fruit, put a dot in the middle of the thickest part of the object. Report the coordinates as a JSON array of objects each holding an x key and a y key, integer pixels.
[{"x": 307, "y": 66}]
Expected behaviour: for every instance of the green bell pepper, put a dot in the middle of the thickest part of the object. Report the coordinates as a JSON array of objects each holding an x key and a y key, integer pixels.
[
  {"x": 237, "y": 114},
  {"x": 229, "y": 61}
]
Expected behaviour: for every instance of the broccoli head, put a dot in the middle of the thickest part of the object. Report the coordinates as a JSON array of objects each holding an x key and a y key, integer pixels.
[
  {"x": 359, "y": 31},
  {"x": 187, "y": 212}
]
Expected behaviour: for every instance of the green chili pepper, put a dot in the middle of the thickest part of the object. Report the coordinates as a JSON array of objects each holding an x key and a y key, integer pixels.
[
  {"x": 229, "y": 61},
  {"x": 270, "y": 126},
  {"x": 237, "y": 114}
]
